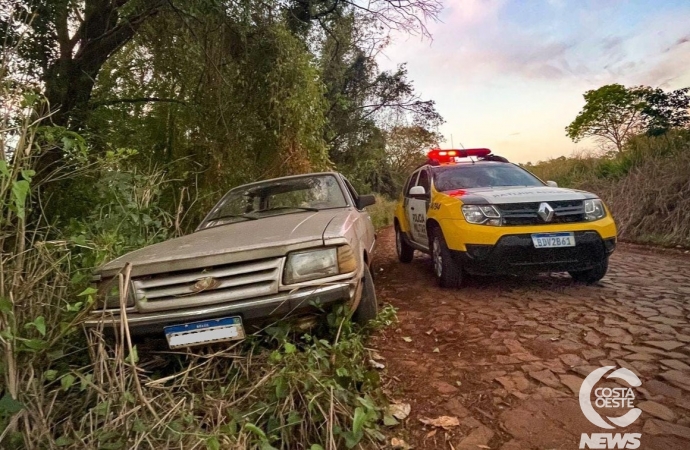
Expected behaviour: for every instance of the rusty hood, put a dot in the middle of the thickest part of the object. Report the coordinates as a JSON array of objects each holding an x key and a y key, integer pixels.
[{"x": 246, "y": 240}]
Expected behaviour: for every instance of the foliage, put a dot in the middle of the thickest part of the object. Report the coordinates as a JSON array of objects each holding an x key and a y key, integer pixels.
[
  {"x": 382, "y": 211},
  {"x": 645, "y": 187},
  {"x": 616, "y": 113}
]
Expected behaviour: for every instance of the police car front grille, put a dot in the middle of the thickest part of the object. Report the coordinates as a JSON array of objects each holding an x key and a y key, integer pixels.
[{"x": 565, "y": 211}]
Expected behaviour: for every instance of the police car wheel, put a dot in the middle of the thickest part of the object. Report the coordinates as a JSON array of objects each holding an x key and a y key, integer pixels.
[
  {"x": 447, "y": 271},
  {"x": 402, "y": 248},
  {"x": 368, "y": 305},
  {"x": 592, "y": 275}
]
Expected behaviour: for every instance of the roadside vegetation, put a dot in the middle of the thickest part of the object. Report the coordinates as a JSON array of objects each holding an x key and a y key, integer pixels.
[
  {"x": 119, "y": 133},
  {"x": 644, "y": 177}
]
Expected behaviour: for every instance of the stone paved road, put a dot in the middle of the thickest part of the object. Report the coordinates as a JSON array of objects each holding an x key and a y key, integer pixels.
[{"x": 507, "y": 356}]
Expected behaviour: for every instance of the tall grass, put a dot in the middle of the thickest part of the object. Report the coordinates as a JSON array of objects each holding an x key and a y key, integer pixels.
[
  {"x": 382, "y": 211},
  {"x": 647, "y": 187}
]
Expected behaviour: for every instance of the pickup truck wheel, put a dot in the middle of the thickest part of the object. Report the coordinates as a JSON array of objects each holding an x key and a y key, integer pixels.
[
  {"x": 368, "y": 307},
  {"x": 447, "y": 271},
  {"x": 402, "y": 248},
  {"x": 592, "y": 275}
]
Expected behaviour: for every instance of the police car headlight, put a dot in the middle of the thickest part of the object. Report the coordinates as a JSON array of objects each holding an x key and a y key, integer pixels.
[
  {"x": 481, "y": 215},
  {"x": 594, "y": 209}
]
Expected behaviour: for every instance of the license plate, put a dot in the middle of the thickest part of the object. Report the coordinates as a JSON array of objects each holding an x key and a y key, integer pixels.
[
  {"x": 204, "y": 332},
  {"x": 553, "y": 240}
]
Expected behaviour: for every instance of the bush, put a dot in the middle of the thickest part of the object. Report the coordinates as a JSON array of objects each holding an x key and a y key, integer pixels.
[{"x": 646, "y": 187}]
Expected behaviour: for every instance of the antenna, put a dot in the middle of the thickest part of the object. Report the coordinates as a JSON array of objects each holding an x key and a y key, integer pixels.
[{"x": 451, "y": 141}]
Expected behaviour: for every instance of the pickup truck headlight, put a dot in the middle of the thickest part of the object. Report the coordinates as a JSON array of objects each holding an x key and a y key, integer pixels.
[
  {"x": 482, "y": 215},
  {"x": 594, "y": 209},
  {"x": 313, "y": 264}
]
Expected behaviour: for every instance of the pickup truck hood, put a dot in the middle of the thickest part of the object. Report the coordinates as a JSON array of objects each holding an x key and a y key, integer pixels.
[
  {"x": 239, "y": 241},
  {"x": 523, "y": 194}
]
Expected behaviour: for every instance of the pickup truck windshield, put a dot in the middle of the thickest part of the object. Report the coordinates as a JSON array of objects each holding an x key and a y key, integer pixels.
[
  {"x": 275, "y": 197},
  {"x": 468, "y": 176}
]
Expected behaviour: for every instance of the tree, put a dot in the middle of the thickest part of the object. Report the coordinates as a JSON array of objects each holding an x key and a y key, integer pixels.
[
  {"x": 406, "y": 147},
  {"x": 612, "y": 112},
  {"x": 615, "y": 113},
  {"x": 666, "y": 110}
]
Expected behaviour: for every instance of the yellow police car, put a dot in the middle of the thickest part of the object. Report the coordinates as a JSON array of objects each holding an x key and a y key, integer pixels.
[{"x": 477, "y": 213}]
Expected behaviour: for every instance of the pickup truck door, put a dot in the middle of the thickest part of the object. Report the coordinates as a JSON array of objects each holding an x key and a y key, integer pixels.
[{"x": 417, "y": 206}]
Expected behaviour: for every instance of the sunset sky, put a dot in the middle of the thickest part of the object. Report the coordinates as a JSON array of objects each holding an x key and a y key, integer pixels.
[{"x": 509, "y": 75}]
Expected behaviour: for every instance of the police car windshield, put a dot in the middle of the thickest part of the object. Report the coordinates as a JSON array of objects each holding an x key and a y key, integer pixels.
[{"x": 467, "y": 176}]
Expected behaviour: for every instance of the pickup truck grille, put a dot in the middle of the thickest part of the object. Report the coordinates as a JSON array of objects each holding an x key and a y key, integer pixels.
[
  {"x": 198, "y": 287},
  {"x": 565, "y": 211}
]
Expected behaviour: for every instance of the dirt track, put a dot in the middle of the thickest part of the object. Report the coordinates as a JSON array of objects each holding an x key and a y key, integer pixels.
[{"x": 507, "y": 356}]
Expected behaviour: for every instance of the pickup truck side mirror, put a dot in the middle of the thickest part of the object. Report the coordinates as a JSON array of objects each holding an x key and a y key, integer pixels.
[
  {"x": 551, "y": 183},
  {"x": 365, "y": 200},
  {"x": 417, "y": 191}
]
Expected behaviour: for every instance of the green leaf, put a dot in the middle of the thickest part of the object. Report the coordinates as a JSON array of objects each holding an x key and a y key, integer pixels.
[
  {"x": 63, "y": 441},
  {"x": 8, "y": 405},
  {"x": 255, "y": 430},
  {"x": 88, "y": 291},
  {"x": 6, "y": 305},
  {"x": 358, "y": 421},
  {"x": 40, "y": 324},
  {"x": 212, "y": 443},
  {"x": 67, "y": 381},
  {"x": 389, "y": 420},
  {"x": 50, "y": 375},
  {"x": 35, "y": 344},
  {"x": 28, "y": 174},
  {"x": 133, "y": 357},
  {"x": 4, "y": 171},
  {"x": 290, "y": 348},
  {"x": 20, "y": 189},
  {"x": 316, "y": 447}
]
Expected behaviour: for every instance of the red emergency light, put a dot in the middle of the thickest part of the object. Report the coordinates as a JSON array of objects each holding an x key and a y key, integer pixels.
[{"x": 448, "y": 156}]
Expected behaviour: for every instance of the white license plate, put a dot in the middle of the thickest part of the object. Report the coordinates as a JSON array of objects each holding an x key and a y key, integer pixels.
[
  {"x": 204, "y": 332},
  {"x": 553, "y": 240}
]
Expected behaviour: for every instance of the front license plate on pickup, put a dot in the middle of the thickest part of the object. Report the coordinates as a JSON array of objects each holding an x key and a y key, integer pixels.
[
  {"x": 553, "y": 240},
  {"x": 204, "y": 332}
]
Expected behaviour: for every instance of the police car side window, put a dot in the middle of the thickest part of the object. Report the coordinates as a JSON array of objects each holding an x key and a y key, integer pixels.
[
  {"x": 410, "y": 183},
  {"x": 424, "y": 180}
]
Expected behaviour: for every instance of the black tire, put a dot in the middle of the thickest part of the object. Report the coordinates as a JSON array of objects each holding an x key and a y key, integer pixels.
[
  {"x": 402, "y": 248},
  {"x": 592, "y": 275},
  {"x": 446, "y": 269},
  {"x": 368, "y": 307}
]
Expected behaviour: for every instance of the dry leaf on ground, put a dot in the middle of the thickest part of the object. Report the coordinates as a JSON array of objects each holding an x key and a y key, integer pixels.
[
  {"x": 399, "y": 444},
  {"x": 445, "y": 422},
  {"x": 399, "y": 410}
]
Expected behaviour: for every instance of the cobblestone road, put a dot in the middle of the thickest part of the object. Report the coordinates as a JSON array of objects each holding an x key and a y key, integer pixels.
[{"x": 507, "y": 357}]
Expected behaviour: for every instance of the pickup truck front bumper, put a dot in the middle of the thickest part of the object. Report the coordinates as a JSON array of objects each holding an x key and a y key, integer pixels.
[{"x": 284, "y": 304}]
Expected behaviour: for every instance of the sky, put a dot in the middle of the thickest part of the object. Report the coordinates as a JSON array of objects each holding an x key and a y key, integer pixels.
[{"x": 509, "y": 75}]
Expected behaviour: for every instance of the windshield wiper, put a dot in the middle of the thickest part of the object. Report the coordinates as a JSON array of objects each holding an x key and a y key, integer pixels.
[
  {"x": 303, "y": 208},
  {"x": 229, "y": 216}
]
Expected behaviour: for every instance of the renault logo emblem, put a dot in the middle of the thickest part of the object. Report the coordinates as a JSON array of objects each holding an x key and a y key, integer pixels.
[{"x": 545, "y": 211}]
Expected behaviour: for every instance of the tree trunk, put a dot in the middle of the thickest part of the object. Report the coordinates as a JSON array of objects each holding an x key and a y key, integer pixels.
[{"x": 70, "y": 79}]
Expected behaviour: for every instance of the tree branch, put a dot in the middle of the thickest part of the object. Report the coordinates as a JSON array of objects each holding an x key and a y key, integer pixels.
[{"x": 116, "y": 101}]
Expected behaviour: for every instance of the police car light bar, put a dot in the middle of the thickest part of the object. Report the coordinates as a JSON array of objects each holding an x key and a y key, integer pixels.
[{"x": 446, "y": 156}]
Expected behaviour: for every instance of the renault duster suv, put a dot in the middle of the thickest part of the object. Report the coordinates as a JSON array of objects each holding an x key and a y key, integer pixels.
[
  {"x": 476, "y": 213},
  {"x": 272, "y": 249}
]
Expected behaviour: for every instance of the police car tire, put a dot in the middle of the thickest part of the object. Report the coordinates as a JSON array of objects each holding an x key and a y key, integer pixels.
[
  {"x": 451, "y": 272},
  {"x": 368, "y": 307},
  {"x": 402, "y": 248},
  {"x": 592, "y": 275}
]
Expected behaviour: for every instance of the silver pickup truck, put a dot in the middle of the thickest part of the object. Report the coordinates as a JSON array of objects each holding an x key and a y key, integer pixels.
[{"x": 272, "y": 249}]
